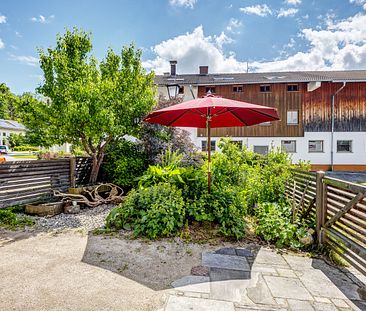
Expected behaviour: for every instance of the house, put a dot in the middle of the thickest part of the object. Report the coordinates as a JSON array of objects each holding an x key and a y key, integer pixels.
[
  {"x": 323, "y": 113},
  {"x": 8, "y": 127}
]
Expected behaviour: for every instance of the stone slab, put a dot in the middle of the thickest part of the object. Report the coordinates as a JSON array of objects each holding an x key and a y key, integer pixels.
[
  {"x": 213, "y": 260},
  {"x": 289, "y": 288},
  {"x": 219, "y": 274},
  {"x": 321, "y": 306},
  {"x": 192, "y": 283},
  {"x": 260, "y": 293},
  {"x": 300, "y": 305},
  {"x": 269, "y": 257},
  {"x": 298, "y": 262},
  {"x": 233, "y": 290},
  {"x": 181, "y": 303},
  {"x": 226, "y": 251}
]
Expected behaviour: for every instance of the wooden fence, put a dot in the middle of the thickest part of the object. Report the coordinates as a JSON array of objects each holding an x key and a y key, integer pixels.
[
  {"x": 337, "y": 209},
  {"x": 24, "y": 182}
]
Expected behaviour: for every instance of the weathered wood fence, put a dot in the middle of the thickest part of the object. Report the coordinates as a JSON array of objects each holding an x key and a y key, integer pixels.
[
  {"x": 337, "y": 209},
  {"x": 24, "y": 182}
]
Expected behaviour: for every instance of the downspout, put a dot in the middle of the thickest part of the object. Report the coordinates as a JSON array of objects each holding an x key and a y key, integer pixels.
[
  {"x": 190, "y": 88},
  {"x": 332, "y": 127}
]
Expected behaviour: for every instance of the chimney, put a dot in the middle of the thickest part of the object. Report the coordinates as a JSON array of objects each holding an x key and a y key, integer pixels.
[
  {"x": 173, "y": 67},
  {"x": 203, "y": 70}
]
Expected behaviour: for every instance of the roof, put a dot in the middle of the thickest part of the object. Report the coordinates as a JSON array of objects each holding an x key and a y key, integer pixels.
[
  {"x": 11, "y": 125},
  {"x": 263, "y": 77}
]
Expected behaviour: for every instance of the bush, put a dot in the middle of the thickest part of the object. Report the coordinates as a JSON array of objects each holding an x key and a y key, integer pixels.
[
  {"x": 10, "y": 220},
  {"x": 48, "y": 155},
  {"x": 125, "y": 161},
  {"x": 154, "y": 212},
  {"x": 25, "y": 148},
  {"x": 274, "y": 224}
]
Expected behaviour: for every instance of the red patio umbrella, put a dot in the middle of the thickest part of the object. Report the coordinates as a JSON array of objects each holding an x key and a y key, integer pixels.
[{"x": 211, "y": 112}]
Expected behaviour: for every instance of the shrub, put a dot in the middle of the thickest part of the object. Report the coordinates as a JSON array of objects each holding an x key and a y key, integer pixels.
[
  {"x": 48, "y": 155},
  {"x": 154, "y": 212},
  {"x": 10, "y": 220},
  {"x": 274, "y": 224},
  {"x": 125, "y": 161}
]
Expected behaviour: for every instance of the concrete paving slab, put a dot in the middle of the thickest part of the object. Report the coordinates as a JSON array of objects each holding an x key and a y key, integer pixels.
[
  {"x": 286, "y": 273},
  {"x": 181, "y": 303},
  {"x": 260, "y": 293},
  {"x": 233, "y": 290},
  {"x": 300, "y": 305},
  {"x": 298, "y": 262},
  {"x": 225, "y": 261},
  {"x": 269, "y": 257},
  {"x": 321, "y": 306},
  {"x": 219, "y": 274},
  {"x": 289, "y": 288}
]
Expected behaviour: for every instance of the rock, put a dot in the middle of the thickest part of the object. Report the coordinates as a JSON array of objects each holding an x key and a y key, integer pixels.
[
  {"x": 45, "y": 209},
  {"x": 72, "y": 209},
  {"x": 200, "y": 271}
]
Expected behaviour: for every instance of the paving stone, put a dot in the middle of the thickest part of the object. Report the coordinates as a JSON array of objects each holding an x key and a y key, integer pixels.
[
  {"x": 340, "y": 303},
  {"x": 200, "y": 270},
  {"x": 322, "y": 299},
  {"x": 289, "y": 288},
  {"x": 321, "y": 306},
  {"x": 193, "y": 283},
  {"x": 320, "y": 284},
  {"x": 219, "y": 274},
  {"x": 260, "y": 293},
  {"x": 268, "y": 257},
  {"x": 286, "y": 272},
  {"x": 264, "y": 269},
  {"x": 298, "y": 262},
  {"x": 281, "y": 301},
  {"x": 192, "y": 294},
  {"x": 244, "y": 252},
  {"x": 233, "y": 290},
  {"x": 213, "y": 260},
  {"x": 176, "y": 303},
  {"x": 226, "y": 251},
  {"x": 300, "y": 305}
]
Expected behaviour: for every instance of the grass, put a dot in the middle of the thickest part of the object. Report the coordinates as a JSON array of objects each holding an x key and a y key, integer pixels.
[
  {"x": 24, "y": 156},
  {"x": 10, "y": 220}
]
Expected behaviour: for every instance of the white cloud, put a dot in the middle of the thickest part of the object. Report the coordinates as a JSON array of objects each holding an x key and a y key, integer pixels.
[
  {"x": 183, "y": 3},
  {"x": 42, "y": 19},
  {"x": 2, "y": 19},
  {"x": 23, "y": 59},
  {"x": 293, "y": 2},
  {"x": 339, "y": 45},
  {"x": 359, "y": 2},
  {"x": 287, "y": 12},
  {"x": 192, "y": 50},
  {"x": 2, "y": 44},
  {"x": 18, "y": 34},
  {"x": 233, "y": 25},
  {"x": 259, "y": 9}
]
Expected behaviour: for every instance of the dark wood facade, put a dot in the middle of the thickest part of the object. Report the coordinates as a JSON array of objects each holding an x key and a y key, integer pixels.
[
  {"x": 349, "y": 112},
  {"x": 278, "y": 97},
  {"x": 314, "y": 109}
]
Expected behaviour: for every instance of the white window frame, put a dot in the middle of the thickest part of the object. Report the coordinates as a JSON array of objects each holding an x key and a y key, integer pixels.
[
  {"x": 213, "y": 145},
  {"x": 314, "y": 142},
  {"x": 283, "y": 142},
  {"x": 291, "y": 117}
]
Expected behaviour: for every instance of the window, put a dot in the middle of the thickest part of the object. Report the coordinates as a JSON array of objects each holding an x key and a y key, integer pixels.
[
  {"x": 260, "y": 149},
  {"x": 316, "y": 146},
  {"x": 344, "y": 145},
  {"x": 210, "y": 89},
  {"x": 292, "y": 88},
  {"x": 204, "y": 145},
  {"x": 288, "y": 146},
  {"x": 181, "y": 90},
  {"x": 293, "y": 117},
  {"x": 239, "y": 143},
  {"x": 4, "y": 134},
  {"x": 265, "y": 88},
  {"x": 238, "y": 89}
]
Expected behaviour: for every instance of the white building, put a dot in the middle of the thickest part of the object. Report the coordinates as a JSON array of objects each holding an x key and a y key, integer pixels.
[{"x": 8, "y": 127}]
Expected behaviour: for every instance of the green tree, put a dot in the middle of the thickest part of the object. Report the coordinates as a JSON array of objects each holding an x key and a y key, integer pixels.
[
  {"x": 90, "y": 103},
  {"x": 8, "y": 101}
]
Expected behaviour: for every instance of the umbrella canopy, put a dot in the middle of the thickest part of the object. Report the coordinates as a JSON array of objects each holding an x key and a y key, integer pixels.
[
  {"x": 211, "y": 112},
  {"x": 222, "y": 112}
]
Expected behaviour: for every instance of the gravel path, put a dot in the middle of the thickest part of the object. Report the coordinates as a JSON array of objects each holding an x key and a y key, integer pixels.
[{"x": 88, "y": 219}]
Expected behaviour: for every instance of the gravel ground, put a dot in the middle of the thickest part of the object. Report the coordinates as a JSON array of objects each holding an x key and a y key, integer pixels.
[{"x": 88, "y": 219}]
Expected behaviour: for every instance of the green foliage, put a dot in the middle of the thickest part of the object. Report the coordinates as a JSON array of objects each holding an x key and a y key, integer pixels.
[
  {"x": 25, "y": 148},
  {"x": 126, "y": 161},
  {"x": 9, "y": 220},
  {"x": 8, "y": 101},
  {"x": 87, "y": 103},
  {"x": 275, "y": 225},
  {"x": 48, "y": 155},
  {"x": 156, "y": 211}
]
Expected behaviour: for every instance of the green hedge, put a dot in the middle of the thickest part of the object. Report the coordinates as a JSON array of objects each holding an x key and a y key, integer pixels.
[{"x": 25, "y": 148}]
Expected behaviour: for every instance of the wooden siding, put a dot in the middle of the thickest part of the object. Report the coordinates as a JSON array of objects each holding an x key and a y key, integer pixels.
[
  {"x": 350, "y": 108},
  {"x": 279, "y": 98}
]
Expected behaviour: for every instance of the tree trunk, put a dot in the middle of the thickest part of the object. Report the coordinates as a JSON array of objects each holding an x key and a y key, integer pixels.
[{"x": 97, "y": 160}]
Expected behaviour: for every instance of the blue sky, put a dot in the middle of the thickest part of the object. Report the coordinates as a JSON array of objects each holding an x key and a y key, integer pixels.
[{"x": 225, "y": 35}]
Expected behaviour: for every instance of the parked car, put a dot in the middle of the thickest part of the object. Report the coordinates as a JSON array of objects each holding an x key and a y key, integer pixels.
[
  {"x": 2, "y": 158},
  {"x": 4, "y": 149}
]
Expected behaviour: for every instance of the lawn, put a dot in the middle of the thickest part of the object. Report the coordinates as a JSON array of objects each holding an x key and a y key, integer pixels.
[{"x": 24, "y": 156}]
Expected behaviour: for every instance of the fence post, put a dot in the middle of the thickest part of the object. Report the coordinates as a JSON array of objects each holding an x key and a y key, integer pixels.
[
  {"x": 72, "y": 172},
  {"x": 320, "y": 205}
]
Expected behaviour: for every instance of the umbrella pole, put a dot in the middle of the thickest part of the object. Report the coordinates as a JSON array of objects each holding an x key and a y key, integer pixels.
[{"x": 208, "y": 124}]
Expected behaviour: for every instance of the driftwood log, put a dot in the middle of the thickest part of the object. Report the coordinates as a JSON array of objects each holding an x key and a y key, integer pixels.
[{"x": 99, "y": 195}]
